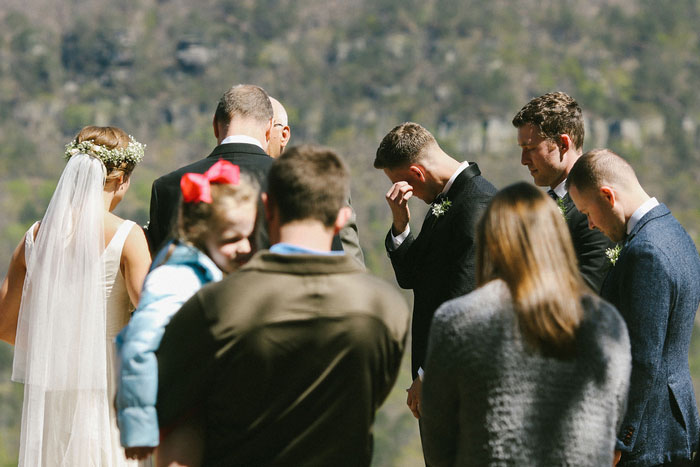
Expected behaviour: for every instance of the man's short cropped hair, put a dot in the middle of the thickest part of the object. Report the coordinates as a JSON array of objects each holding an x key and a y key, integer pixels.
[
  {"x": 246, "y": 101},
  {"x": 554, "y": 114},
  {"x": 600, "y": 167},
  {"x": 402, "y": 146},
  {"x": 308, "y": 183}
]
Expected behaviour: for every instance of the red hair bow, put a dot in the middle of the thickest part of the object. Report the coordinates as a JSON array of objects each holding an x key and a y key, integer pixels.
[{"x": 197, "y": 187}]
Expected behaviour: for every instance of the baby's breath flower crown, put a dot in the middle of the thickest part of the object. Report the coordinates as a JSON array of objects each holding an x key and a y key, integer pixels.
[{"x": 132, "y": 153}]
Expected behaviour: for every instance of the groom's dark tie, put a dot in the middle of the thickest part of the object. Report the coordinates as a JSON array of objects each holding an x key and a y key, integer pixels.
[{"x": 552, "y": 194}]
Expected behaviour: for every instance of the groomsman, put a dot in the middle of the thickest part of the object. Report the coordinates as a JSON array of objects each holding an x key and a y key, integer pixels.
[
  {"x": 348, "y": 239},
  {"x": 242, "y": 125},
  {"x": 550, "y": 133},
  {"x": 438, "y": 264},
  {"x": 290, "y": 356},
  {"x": 655, "y": 283}
]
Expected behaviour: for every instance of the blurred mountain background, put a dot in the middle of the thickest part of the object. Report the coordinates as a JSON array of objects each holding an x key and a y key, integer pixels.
[{"x": 347, "y": 71}]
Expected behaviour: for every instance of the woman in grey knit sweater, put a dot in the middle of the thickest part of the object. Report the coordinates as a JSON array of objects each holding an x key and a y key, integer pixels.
[{"x": 531, "y": 368}]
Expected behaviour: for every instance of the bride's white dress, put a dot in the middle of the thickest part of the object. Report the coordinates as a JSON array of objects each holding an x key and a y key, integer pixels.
[{"x": 58, "y": 408}]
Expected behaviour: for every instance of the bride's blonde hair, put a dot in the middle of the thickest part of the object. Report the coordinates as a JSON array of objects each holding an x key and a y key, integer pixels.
[{"x": 523, "y": 240}]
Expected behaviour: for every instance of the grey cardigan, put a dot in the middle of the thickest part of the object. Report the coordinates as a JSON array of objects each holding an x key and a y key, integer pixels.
[{"x": 490, "y": 399}]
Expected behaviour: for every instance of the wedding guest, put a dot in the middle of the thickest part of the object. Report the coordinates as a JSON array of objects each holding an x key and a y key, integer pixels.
[
  {"x": 655, "y": 283},
  {"x": 531, "y": 368},
  {"x": 348, "y": 239},
  {"x": 216, "y": 217},
  {"x": 550, "y": 133},
  {"x": 69, "y": 291},
  {"x": 242, "y": 126},
  {"x": 439, "y": 264},
  {"x": 292, "y": 354}
]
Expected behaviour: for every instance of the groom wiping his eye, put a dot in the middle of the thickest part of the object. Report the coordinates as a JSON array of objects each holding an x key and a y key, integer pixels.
[{"x": 438, "y": 264}]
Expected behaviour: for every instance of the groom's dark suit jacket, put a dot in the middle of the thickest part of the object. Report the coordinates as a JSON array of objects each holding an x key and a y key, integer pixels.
[
  {"x": 656, "y": 286},
  {"x": 440, "y": 263},
  {"x": 165, "y": 193},
  {"x": 590, "y": 246}
]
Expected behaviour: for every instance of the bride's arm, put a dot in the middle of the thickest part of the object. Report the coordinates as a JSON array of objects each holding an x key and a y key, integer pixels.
[
  {"x": 136, "y": 259},
  {"x": 11, "y": 294}
]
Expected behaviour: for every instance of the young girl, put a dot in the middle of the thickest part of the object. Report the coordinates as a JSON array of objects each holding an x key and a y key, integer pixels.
[{"x": 217, "y": 215}]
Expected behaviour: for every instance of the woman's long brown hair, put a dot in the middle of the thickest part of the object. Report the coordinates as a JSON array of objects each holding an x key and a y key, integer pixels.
[{"x": 523, "y": 240}]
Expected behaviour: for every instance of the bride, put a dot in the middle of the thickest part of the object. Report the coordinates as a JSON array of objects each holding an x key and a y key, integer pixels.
[{"x": 69, "y": 290}]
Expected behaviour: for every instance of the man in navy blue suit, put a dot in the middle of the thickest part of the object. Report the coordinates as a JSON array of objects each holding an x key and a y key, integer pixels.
[{"x": 655, "y": 284}]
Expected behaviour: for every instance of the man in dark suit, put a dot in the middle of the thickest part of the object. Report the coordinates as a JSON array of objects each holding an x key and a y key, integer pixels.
[
  {"x": 290, "y": 356},
  {"x": 439, "y": 264},
  {"x": 655, "y": 283},
  {"x": 242, "y": 125},
  {"x": 550, "y": 133}
]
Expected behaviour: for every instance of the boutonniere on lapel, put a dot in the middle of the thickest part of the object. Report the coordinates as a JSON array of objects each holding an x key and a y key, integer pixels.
[
  {"x": 613, "y": 253},
  {"x": 439, "y": 209},
  {"x": 562, "y": 207}
]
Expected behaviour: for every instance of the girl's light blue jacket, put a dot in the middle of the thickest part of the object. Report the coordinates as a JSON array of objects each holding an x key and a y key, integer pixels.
[{"x": 170, "y": 283}]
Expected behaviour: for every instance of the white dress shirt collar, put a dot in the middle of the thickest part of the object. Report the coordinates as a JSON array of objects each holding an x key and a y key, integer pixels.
[
  {"x": 646, "y": 206},
  {"x": 560, "y": 190},
  {"x": 242, "y": 139}
]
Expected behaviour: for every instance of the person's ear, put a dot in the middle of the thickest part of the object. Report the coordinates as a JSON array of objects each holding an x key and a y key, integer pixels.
[
  {"x": 418, "y": 171},
  {"x": 286, "y": 136},
  {"x": 341, "y": 219},
  {"x": 266, "y": 206},
  {"x": 564, "y": 143},
  {"x": 608, "y": 195},
  {"x": 216, "y": 128},
  {"x": 268, "y": 130}
]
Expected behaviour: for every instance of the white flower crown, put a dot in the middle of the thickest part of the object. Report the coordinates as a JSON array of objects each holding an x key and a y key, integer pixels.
[{"x": 132, "y": 153}]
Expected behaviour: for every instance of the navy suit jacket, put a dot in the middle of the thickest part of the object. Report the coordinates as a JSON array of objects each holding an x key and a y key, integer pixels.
[
  {"x": 440, "y": 263},
  {"x": 655, "y": 285}
]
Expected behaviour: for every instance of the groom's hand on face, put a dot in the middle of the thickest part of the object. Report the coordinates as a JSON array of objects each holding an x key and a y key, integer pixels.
[{"x": 397, "y": 197}]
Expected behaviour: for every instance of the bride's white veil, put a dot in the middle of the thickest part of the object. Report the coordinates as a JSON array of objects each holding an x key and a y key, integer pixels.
[{"x": 60, "y": 349}]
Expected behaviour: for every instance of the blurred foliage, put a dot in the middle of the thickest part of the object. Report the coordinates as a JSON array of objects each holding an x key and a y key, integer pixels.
[{"x": 347, "y": 72}]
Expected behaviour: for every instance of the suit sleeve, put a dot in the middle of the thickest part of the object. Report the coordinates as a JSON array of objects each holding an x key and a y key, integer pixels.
[
  {"x": 402, "y": 260},
  {"x": 645, "y": 292},
  {"x": 185, "y": 359},
  {"x": 350, "y": 238},
  {"x": 154, "y": 233},
  {"x": 440, "y": 398}
]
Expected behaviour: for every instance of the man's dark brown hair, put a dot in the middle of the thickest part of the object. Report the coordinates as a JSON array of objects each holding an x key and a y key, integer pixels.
[
  {"x": 244, "y": 100},
  {"x": 553, "y": 114},
  {"x": 308, "y": 182},
  {"x": 402, "y": 146}
]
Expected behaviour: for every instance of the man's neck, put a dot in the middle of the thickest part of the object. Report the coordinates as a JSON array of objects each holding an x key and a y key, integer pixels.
[
  {"x": 309, "y": 234},
  {"x": 440, "y": 171}
]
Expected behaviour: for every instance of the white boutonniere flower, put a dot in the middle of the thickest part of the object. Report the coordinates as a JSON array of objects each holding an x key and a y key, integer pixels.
[
  {"x": 441, "y": 208},
  {"x": 613, "y": 253}
]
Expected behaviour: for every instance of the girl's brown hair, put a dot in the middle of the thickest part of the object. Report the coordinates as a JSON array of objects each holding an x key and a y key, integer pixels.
[
  {"x": 523, "y": 240},
  {"x": 195, "y": 219}
]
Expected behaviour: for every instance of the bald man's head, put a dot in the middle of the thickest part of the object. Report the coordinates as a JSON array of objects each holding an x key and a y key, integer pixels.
[{"x": 281, "y": 133}]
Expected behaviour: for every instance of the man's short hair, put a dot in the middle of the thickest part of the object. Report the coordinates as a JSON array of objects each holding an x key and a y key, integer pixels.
[
  {"x": 554, "y": 114},
  {"x": 402, "y": 146},
  {"x": 308, "y": 182},
  {"x": 600, "y": 167},
  {"x": 246, "y": 101}
]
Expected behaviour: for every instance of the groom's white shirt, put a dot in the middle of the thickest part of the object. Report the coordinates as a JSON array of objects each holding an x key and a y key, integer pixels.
[
  {"x": 242, "y": 139},
  {"x": 399, "y": 239}
]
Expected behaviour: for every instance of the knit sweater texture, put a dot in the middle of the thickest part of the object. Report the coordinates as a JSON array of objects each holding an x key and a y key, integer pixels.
[{"x": 490, "y": 398}]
